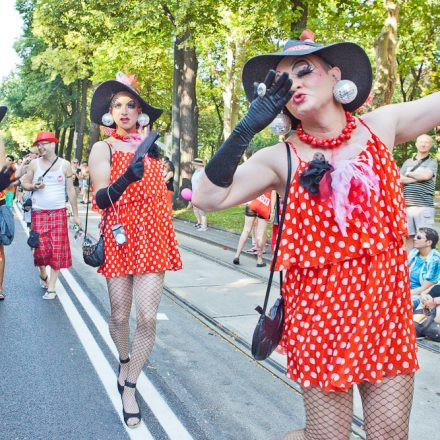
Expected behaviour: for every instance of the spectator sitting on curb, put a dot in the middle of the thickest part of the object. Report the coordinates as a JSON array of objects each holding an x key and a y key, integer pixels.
[{"x": 424, "y": 263}]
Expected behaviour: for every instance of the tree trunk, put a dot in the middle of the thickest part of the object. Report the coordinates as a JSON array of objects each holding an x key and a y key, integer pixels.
[
  {"x": 386, "y": 67},
  {"x": 175, "y": 112},
  {"x": 93, "y": 136},
  {"x": 68, "y": 155},
  {"x": 188, "y": 113},
  {"x": 62, "y": 142},
  {"x": 82, "y": 119},
  {"x": 300, "y": 11},
  {"x": 234, "y": 61}
]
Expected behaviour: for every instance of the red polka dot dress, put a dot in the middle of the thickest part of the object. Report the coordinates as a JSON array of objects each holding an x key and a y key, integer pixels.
[
  {"x": 142, "y": 210},
  {"x": 348, "y": 311}
]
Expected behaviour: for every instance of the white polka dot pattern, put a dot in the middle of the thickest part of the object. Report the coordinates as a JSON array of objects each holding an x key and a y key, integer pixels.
[{"x": 151, "y": 241}]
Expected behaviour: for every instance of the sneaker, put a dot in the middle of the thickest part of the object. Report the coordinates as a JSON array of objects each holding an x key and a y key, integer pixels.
[
  {"x": 202, "y": 229},
  {"x": 50, "y": 294},
  {"x": 2, "y": 296},
  {"x": 197, "y": 225}
]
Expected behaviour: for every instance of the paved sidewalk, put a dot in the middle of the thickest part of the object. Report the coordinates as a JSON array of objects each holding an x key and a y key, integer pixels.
[{"x": 217, "y": 237}]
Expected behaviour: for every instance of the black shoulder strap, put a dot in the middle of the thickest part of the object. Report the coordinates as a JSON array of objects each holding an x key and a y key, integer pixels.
[
  {"x": 280, "y": 230},
  {"x": 419, "y": 163},
  {"x": 88, "y": 194}
]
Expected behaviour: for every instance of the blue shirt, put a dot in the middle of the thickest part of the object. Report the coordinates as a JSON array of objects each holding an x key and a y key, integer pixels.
[{"x": 423, "y": 269}]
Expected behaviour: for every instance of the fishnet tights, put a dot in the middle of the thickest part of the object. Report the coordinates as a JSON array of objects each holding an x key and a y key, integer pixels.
[
  {"x": 147, "y": 289},
  {"x": 386, "y": 408}
]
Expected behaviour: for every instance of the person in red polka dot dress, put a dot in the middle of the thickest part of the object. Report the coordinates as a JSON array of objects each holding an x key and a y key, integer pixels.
[
  {"x": 140, "y": 243},
  {"x": 348, "y": 313}
]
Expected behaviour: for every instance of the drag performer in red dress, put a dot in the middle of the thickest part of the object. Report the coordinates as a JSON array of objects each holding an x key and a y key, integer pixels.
[
  {"x": 135, "y": 196},
  {"x": 348, "y": 314}
]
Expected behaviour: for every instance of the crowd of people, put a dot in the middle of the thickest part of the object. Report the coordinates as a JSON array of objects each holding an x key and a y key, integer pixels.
[{"x": 351, "y": 291}]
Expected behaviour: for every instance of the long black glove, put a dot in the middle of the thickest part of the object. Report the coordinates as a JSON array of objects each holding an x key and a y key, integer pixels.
[
  {"x": 5, "y": 177},
  {"x": 262, "y": 111},
  {"x": 106, "y": 196}
]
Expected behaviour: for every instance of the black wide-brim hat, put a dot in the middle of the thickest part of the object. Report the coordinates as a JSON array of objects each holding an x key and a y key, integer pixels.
[
  {"x": 3, "y": 110},
  {"x": 349, "y": 57},
  {"x": 103, "y": 95}
]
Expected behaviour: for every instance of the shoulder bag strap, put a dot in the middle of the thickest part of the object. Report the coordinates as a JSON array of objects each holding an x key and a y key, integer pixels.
[
  {"x": 52, "y": 164},
  {"x": 280, "y": 230},
  {"x": 88, "y": 194},
  {"x": 420, "y": 163}
]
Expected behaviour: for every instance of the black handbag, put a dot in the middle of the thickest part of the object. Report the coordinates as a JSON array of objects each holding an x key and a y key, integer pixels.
[
  {"x": 33, "y": 240},
  {"x": 267, "y": 333},
  {"x": 94, "y": 251}
]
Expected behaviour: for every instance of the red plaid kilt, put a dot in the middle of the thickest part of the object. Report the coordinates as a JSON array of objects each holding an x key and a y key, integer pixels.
[{"x": 53, "y": 245}]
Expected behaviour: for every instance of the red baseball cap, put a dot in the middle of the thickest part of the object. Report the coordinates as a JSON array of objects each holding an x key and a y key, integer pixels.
[{"x": 45, "y": 136}]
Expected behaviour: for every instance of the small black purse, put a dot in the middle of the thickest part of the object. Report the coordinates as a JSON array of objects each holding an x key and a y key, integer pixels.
[
  {"x": 267, "y": 333},
  {"x": 33, "y": 240},
  {"x": 93, "y": 251}
]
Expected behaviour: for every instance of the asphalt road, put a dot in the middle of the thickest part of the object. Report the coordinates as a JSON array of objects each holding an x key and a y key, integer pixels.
[{"x": 59, "y": 366}]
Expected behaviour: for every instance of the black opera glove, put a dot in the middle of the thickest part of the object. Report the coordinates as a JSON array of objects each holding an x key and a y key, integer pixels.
[
  {"x": 106, "y": 196},
  {"x": 5, "y": 177},
  {"x": 262, "y": 111}
]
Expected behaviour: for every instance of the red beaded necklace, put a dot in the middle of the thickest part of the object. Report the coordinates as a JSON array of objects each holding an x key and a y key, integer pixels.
[{"x": 331, "y": 142}]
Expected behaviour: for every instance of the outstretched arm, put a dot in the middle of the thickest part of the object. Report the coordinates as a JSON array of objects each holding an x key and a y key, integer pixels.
[{"x": 399, "y": 123}]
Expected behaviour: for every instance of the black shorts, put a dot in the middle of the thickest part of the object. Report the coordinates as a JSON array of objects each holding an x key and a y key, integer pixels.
[{"x": 249, "y": 213}]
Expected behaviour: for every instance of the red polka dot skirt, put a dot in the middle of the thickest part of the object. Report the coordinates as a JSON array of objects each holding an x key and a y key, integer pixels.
[
  {"x": 142, "y": 210},
  {"x": 348, "y": 311}
]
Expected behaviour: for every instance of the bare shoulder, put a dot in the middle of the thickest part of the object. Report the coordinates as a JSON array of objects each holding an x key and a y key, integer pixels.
[
  {"x": 382, "y": 122},
  {"x": 99, "y": 150}
]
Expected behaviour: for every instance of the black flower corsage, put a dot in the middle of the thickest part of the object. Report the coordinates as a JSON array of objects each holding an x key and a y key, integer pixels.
[{"x": 311, "y": 177}]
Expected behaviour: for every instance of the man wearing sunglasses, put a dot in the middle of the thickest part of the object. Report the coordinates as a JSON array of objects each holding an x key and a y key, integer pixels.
[
  {"x": 418, "y": 178},
  {"x": 424, "y": 263}
]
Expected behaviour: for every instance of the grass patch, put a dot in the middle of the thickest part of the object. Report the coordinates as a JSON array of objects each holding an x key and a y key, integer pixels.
[{"x": 231, "y": 219}]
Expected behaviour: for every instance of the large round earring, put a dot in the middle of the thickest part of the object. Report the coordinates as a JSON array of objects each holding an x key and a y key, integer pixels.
[
  {"x": 107, "y": 119},
  {"x": 143, "y": 120},
  {"x": 281, "y": 125},
  {"x": 345, "y": 91}
]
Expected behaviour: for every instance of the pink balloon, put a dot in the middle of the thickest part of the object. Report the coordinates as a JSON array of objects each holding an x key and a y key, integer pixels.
[{"x": 186, "y": 194}]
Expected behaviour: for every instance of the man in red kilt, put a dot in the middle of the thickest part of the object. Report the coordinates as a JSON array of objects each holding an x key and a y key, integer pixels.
[{"x": 50, "y": 179}]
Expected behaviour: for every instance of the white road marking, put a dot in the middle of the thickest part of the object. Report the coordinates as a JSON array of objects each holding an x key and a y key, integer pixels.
[{"x": 168, "y": 420}]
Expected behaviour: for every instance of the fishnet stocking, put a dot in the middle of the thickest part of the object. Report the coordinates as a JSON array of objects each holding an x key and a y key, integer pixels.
[
  {"x": 387, "y": 407},
  {"x": 328, "y": 416},
  {"x": 120, "y": 291},
  {"x": 147, "y": 292}
]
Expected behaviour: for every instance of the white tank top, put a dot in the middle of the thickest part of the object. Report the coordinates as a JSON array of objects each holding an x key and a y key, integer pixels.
[{"x": 53, "y": 195}]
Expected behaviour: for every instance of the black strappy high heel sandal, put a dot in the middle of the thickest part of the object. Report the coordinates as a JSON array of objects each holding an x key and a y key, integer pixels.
[
  {"x": 121, "y": 387},
  {"x": 127, "y": 415}
]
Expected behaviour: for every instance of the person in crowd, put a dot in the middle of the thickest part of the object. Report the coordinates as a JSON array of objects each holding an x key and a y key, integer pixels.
[
  {"x": 76, "y": 171},
  {"x": 140, "y": 243},
  {"x": 168, "y": 171},
  {"x": 50, "y": 178},
  {"x": 255, "y": 222},
  {"x": 201, "y": 220},
  {"x": 85, "y": 181},
  {"x": 424, "y": 263},
  {"x": 10, "y": 191},
  {"x": 5, "y": 182},
  {"x": 346, "y": 290},
  {"x": 418, "y": 175}
]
